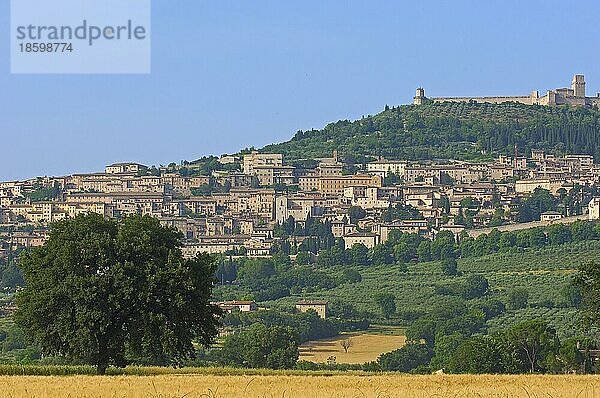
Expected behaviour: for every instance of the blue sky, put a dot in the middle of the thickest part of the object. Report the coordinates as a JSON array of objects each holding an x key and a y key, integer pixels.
[{"x": 233, "y": 74}]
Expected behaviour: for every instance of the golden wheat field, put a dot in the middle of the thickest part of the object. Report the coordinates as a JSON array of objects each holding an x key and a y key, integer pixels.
[
  {"x": 338, "y": 386},
  {"x": 365, "y": 348}
]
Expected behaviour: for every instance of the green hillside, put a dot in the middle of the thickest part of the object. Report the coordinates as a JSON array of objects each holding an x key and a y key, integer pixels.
[
  {"x": 466, "y": 131},
  {"x": 545, "y": 273}
]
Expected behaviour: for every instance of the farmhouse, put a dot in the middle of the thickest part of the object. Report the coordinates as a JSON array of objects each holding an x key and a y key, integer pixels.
[
  {"x": 242, "y": 306},
  {"x": 319, "y": 306}
]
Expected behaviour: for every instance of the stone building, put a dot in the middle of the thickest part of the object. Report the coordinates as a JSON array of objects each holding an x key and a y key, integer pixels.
[
  {"x": 574, "y": 96},
  {"x": 319, "y": 306},
  {"x": 255, "y": 159}
]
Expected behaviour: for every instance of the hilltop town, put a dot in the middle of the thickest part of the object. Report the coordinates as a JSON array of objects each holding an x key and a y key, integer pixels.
[
  {"x": 247, "y": 202},
  {"x": 574, "y": 96}
]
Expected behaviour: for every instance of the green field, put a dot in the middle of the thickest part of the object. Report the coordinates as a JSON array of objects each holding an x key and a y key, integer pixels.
[{"x": 543, "y": 272}]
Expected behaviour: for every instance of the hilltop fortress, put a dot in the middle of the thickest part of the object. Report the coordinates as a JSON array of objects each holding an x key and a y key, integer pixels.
[{"x": 574, "y": 96}]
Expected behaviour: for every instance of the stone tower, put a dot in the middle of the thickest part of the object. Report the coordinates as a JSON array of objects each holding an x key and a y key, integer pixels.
[
  {"x": 419, "y": 98},
  {"x": 578, "y": 86}
]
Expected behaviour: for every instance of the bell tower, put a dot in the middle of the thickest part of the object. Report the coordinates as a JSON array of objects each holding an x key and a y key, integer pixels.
[
  {"x": 419, "y": 98},
  {"x": 578, "y": 86}
]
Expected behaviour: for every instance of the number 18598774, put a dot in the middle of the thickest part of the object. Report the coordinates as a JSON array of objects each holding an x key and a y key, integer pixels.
[{"x": 46, "y": 47}]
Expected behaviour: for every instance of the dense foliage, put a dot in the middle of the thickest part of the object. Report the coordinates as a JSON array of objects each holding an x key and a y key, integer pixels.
[
  {"x": 41, "y": 193},
  {"x": 260, "y": 346},
  {"x": 589, "y": 282},
  {"x": 272, "y": 278},
  {"x": 307, "y": 326},
  {"x": 111, "y": 293},
  {"x": 10, "y": 275},
  {"x": 451, "y": 130},
  {"x": 484, "y": 308},
  {"x": 407, "y": 358},
  {"x": 530, "y": 346}
]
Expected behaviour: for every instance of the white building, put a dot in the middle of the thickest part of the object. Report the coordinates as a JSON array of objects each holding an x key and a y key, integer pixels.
[
  {"x": 384, "y": 167},
  {"x": 594, "y": 209}
]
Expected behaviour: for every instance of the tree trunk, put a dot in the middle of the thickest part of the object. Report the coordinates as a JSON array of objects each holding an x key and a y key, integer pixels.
[
  {"x": 101, "y": 368},
  {"x": 102, "y": 359}
]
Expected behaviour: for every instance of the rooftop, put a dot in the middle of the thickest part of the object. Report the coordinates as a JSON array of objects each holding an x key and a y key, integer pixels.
[{"x": 312, "y": 302}]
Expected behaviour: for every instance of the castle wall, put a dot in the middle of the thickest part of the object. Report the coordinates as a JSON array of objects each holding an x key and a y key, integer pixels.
[
  {"x": 574, "y": 96},
  {"x": 551, "y": 98},
  {"x": 593, "y": 101},
  {"x": 527, "y": 100},
  {"x": 574, "y": 101}
]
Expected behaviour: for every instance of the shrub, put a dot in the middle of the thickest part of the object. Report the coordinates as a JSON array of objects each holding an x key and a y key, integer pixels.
[
  {"x": 492, "y": 308},
  {"x": 406, "y": 358},
  {"x": 351, "y": 275},
  {"x": 449, "y": 266},
  {"x": 484, "y": 354},
  {"x": 260, "y": 346},
  {"x": 475, "y": 286},
  {"x": 518, "y": 298}
]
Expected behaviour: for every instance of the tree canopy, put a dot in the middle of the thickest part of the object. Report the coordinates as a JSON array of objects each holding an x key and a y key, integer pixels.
[
  {"x": 112, "y": 293},
  {"x": 261, "y": 346},
  {"x": 588, "y": 280},
  {"x": 387, "y": 304},
  {"x": 467, "y": 131}
]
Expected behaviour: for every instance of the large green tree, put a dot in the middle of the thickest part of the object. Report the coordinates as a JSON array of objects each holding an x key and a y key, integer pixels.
[
  {"x": 261, "y": 346},
  {"x": 422, "y": 329},
  {"x": 535, "y": 341},
  {"x": 387, "y": 304},
  {"x": 111, "y": 293},
  {"x": 484, "y": 354},
  {"x": 359, "y": 255},
  {"x": 10, "y": 275},
  {"x": 588, "y": 280},
  {"x": 406, "y": 358}
]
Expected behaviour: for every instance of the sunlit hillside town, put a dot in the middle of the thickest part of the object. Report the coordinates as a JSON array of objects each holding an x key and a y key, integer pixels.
[{"x": 243, "y": 205}]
